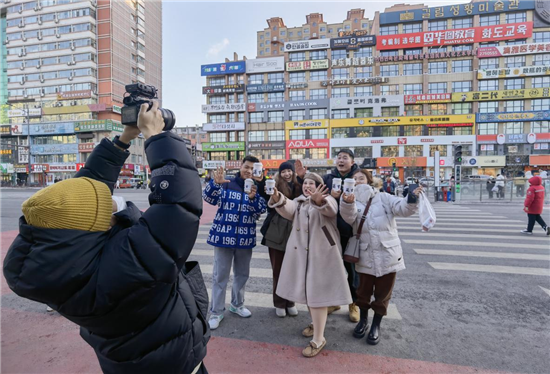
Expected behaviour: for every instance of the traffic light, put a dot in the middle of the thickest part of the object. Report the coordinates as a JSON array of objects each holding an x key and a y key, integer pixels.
[
  {"x": 193, "y": 151},
  {"x": 394, "y": 165},
  {"x": 458, "y": 154}
]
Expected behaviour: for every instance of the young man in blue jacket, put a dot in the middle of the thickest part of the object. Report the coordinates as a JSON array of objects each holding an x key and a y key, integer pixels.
[{"x": 233, "y": 235}]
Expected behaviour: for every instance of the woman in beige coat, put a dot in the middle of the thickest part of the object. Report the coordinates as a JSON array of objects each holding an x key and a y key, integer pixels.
[{"x": 312, "y": 271}]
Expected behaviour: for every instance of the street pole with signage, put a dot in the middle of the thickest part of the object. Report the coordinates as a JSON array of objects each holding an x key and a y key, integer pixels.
[{"x": 436, "y": 174}]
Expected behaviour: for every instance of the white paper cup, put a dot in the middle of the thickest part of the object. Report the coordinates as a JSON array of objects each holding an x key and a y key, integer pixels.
[
  {"x": 270, "y": 186},
  {"x": 248, "y": 183},
  {"x": 258, "y": 169},
  {"x": 349, "y": 185},
  {"x": 337, "y": 184}
]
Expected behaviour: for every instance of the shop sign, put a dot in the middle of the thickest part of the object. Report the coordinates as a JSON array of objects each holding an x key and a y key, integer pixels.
[
  {"x": 341, "y": 82},
  {"x": 355, "y": 61},
  {"x": 424, "y": 56},
  {"x": 43, "y": 128},
  {"x": 450, "y": 124},
  {"x": 236, "y": 67},
  {"x": 525, "y": 71},
  {"x": 33, "y": 112},
  {"x": 352, "y": 102},
  {"x": 5, "y": 151},
  {"x": 307, "y": 143},
  {"x": 53, "y": 149},
  {"x": 233, "y": 164},
  {"x": 6, "y": 168},
  {"x": 40, "y": 168},
  {"x": 218, "y": 108},
  {"x": 5, "y": 130},
  {"x": 291, "y": 86},
  {"x": 86, "y": 147},
  {"x": 265, "y": 65},
  {"x": 512, "y": 160},
  {"x": 428, "y": 98},
  {"x": 74, "y": 109},
  {"x": 319, "y": 162},
  {"x": 223, "y": 126},
  {"x": 79, "y": 166},
  {"x": 468, "y": 119},
  {"x": 452, "y": 11},
  {"x": 266, "y": 145},
  {"x": 62, "y": 167},
  {"x": 540, "y": 146},
  {"x": 530, "y": 93},
  {"x": 491, "y": 161},
  {"x": 456, "y": 36},
  {"x": 307, "y": 65},
  {"x": 539, "y": 159},
  {"x": 307, "y": 45},
  {"x": 117, "y": 109},
  {"x": 71, "y": 95},
  {"x": 543, "y": 115},
  {"x": 272, "y": 164},
  {"x": 20, "y": 168},
  {"x": 516, "y": 138},
  {"x": 306, "y": 124},
  {"x": 513, "y": 50},
  {"x": 223, "y": 146},
  {"x": 401, "y": 161},
  {"x": 97, "y": 125},
  {"x": 321, "y": 103},
  {"x": 137, "y": 169},
  {"x": 225, "y": 89},
  {"x": 211, "y": 165},
  {"x": 268, "y": 87},
  {"x": 355, "y": 41}
]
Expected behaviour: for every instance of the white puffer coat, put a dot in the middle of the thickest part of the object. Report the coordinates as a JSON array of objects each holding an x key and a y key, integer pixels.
[{"x": 381, "y": 251}]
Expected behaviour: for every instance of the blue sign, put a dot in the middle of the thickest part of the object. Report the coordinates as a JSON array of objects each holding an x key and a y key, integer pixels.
[
  {"x": 236, "y": 67},
  {"x": 543, "y": 115},
  {"x": 459, "y": 10},
  {"x": 473, "y": 161},
  {"x": 53, "y": 149},
  {"x": 52, "y": 128},
  {"x": 269, "y": 87}
]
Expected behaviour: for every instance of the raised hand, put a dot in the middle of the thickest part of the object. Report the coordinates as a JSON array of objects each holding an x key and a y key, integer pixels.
[
  {"x": 318, "y": 197},
  {"x": 349, "y": 198},
  {"x": 301, "y": 170},
  {"x": 418, "y": 191},
  {"x": 219, "y": 176}
]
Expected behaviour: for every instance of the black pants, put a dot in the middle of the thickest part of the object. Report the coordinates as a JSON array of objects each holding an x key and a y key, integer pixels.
[
  {"x": 276, "y": 257},
  {"x": 535, "y": 218},
  {"x": 520, "y": 190},
  {"x": 353, "y": 276}
]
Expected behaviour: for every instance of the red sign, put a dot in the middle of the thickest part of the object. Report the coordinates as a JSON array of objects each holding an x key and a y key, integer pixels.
[
  {"x": 401, "y": 140},
  {"x": 307, "y": 143},
  {"x": 40, "y": 168},
  {"x": 457, "y": 36},
  {"x": 442, "y": 162},
  {"x": 79, "y": 166},
  {"x": 67, "y": 167},
  {"x": 128, "y": 166},
  {"x": 377, "y": 141},
  {"x": 251, "y": 107},
  {"x": 428, "y": 98},
  {"x": 86, "y": 147},
  {"x": 427, "y": 140},
  {"x": 450, "y": 124},
  {"x": 232, "y": 164}
]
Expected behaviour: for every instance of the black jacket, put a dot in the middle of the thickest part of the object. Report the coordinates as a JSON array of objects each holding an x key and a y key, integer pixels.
[
  {"x": 139, "y": 305},
  {"x": 346, "y": 231}
]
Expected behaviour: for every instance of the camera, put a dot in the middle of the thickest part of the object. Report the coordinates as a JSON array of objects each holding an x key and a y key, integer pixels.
[{"x": 140, "y": 93}]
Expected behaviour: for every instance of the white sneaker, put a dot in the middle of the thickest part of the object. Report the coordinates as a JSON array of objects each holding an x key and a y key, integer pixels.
[
  {"x": 241, "y": 311},
  {"x": 292, "y": 311},
  {"x": 214, "y": 321},
  {"x": 49, "y": 310},
  {"x": 281, "y": 312},
  {"x": 525, "y": 232}
]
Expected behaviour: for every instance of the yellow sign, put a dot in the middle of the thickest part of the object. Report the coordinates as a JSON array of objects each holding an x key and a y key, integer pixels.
[
  {"x": 306, "y": 124},
  {"x": 524, "y": 71},
  {"x": 529, "y": 93},
  {"x": 447, "y": 120},
  {"x": 66, "y": 109},
  {"x": 307, "y": 65}
]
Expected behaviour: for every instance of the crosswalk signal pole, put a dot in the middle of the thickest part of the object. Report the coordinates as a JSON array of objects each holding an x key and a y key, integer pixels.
[{"x": 457, "y": 152}]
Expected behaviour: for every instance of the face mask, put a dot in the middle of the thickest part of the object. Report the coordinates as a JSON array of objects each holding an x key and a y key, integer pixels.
[{"x": 120, "y": 203}]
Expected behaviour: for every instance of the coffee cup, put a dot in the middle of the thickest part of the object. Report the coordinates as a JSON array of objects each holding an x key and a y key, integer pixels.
[
  {"x": 337, "y": 184},
  {"x": 349, "y": 184},
  {"x": 248, "y": 183},
  {"x": 270, "y": 186},
  {"x": 258, "y": 169}
]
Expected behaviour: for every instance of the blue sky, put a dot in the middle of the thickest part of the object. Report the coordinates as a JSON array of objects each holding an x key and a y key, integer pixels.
[{"x": 232, "y": 28}]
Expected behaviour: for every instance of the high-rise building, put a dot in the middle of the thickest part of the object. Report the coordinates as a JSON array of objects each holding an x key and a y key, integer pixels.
[{"x": 66, "y": 65}]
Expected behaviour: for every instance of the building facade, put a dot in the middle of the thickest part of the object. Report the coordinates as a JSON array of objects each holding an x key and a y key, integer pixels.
[{"x": 67, "y": 63}]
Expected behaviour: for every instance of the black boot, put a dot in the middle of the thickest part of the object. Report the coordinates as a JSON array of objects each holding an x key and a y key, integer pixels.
[
  {"x": 374, "y": 333},
  {"x": 361, "y": 328}
]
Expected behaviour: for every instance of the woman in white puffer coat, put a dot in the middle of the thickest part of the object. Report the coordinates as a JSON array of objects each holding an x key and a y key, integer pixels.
[{"x": 381, "y": 256}]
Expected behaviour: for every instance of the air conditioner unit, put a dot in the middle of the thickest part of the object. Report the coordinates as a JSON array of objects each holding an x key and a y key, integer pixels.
[
  {"x": 22, "y": 67},
  {"x": 57, "y": 36},
  {"x": 39, "y": 20},
  {"x": 22, "y": 82},
  {"x": 314, "y": 34},
  {"x": 38, "y": 66},
  {"x": 72, "y": 47},
  {"x": 24, "y": 38},
  {"x": 21, "y": 24},
  {"x": 70, "y": 77},
  {"x": 42, "y": 94},
  {"x": 6, "y": 41},
  {"x": 56, "y": 19},
  {"x": 20, "y": 10}
]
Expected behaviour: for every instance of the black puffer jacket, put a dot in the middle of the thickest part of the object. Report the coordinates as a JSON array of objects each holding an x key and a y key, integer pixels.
[{"x": 139, "y": 305}]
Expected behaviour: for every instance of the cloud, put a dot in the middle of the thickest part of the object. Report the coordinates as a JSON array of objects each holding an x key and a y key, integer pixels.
[{"x": 215, "y": 49}]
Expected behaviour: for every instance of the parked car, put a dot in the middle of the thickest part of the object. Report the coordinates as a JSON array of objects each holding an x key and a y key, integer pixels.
[{"x": 430, "y": 182}]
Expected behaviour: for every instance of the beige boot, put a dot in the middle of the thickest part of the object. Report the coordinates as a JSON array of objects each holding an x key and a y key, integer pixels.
[
  {"x": 332, "y": 309},
  {"x": 353, "y": 313}
]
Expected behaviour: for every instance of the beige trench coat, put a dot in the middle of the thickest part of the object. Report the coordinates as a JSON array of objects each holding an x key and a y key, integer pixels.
[{"x": 312, "y": 272}]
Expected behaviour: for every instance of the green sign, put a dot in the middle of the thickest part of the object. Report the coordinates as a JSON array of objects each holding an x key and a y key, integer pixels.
[
  {"x": 221, "y": 147},
  {"x": 117, "y": 109},
  {"x": 97, "y": 125}
]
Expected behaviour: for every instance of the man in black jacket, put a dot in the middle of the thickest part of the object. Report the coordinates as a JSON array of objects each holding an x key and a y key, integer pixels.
[{"x": 138, "y": 303}]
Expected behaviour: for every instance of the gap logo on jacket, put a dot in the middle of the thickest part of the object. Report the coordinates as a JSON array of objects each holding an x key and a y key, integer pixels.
[{"x": 235, "y": 222}]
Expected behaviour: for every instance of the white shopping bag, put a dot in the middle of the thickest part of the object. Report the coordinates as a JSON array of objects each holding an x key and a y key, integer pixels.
[{"x": 426, "y": 213}]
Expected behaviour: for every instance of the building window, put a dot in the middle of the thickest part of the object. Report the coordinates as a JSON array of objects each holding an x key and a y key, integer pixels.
[
  {"x": 488, "y": 63},
  {"x": 297, "y": 115},
  {"x": 441, "y": 148},
  {"x": 216, "y": 81},
  {"x": 392, "y": 89},
  {"x": 363, "y": 91},
  {"x": 514, "y": 84},
  {"x": 413, "y": 131},
  {"x": 275, "y": 78},
  {"x": 256, "y": 98},
  {"x": 389, "y": 150},
  {"x": 488, "y": 128},
  {"x": 516, "y": 17},
  {"x": 413, "y": 150},
  {"x": 218, "y": 137},
  {"x": 437, "y": 67},
  {"x": 297, "y": 56},
  {"x": 318, "y": 94},
  {"x": 541, "y": 60},
  {"x": 541, "y": 82},
  {"x": 363, "y": 52},
  {"x": 437, "y": 88},
  {"x": 217, "y": 118},
  {"x": 539, "y": 127},
  {"x": 462, "y": 23},
  {"x": 389, "y": 30},
  {"x": 217, "y": 99},
  {"x": 340, "y": 113},
  {"x": 255, "y": 117},
  {"x": 340, "y": 133},
  {"x": 340, "y": 92},
  {"x": 488, "y": 85},
  {"x": 515, "y": 42},
  {"x": 297, "y": 77},
  {"x": 337, "y": 54},
  {"x": 462, "y": 108},
  {"x": 462, "y": 86},
  {"x": 256, "y": 79},
  {"x": 437, "y": 25},
  {"x": 318, "y": 55},
  {"x": 322, "y": 29},
  {"x": 541, "y": 37},
  {"x": 276, "y": 135},
  {"x": 240, "y": 117},
  {"x": 363, "y": 72},
  {"x": 411, "y": 110},
  {"x": 364, "y": 132},
  {"x": 390, "y": 111},
  {"x": 275, "y": 116},
  {"x": 488, "y": 107},
  {"x": 297, "y": 134},
  {"x": 389, "y": 70},
  {"x": 230, "y": 99},
  {"x": 390, "y": 131},
  {"x": 412, "y": 89},
  {"x": 318, "y": 133},
  {"x": 489, "y": 20},
  {"x": 514, "y": 62},
  {"x": 412, "y": 69},
  {"x": 341, "y": 73},
  {"x": 318, "y": 153},
  {"x": 514, "y": 106},
  {"x": 463, "y": 47},
  {"x": 240, "y": 98},
  {"x": 513, "y": 128},
  {"x": 462, "y": 131},
  {"x": 540, "y": 104},
  {"x": 297, "y": 95},
  {"x": 436, "y": 131},
  {"x": 437, "y": 109},
  {"x": 318, "y": 113},
  {"x": 318, "y": 75},
  {"x": 275, "y": 97},
  {"x": 256, "y": 136},
  {"x": 363, "y": 112},
  {"x": 395, "y": 52},
  {"x": 461, "y": 66},
  {"x": 411, "y": 52},
  {"x": 412, "y": 27}
]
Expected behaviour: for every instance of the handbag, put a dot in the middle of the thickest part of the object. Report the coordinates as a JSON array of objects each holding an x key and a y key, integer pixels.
[{"x": 353, "y": 248}]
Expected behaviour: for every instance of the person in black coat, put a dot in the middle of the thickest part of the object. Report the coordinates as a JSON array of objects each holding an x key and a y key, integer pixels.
[{"x": 138, "y": 303}]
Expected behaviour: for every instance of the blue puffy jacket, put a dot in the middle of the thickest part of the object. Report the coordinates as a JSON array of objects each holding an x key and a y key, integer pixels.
[{"x": 235, "y": 222}]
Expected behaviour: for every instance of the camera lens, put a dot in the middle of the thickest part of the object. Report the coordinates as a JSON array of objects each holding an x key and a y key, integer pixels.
[{"x": 169, "y": 119}]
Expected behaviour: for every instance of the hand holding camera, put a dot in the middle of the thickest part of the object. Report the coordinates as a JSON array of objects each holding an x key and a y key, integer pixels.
[{"x": 150, "y": 122}]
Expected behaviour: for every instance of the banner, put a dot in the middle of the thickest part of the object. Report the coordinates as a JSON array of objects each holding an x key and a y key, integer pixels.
[
  {"x": 356, "y": 41},
  {"x": 71, "y": 95},
  {"x": 5, "y": 130},
  {"x": 236, "y": 67},
  {"x": 355, "y": 61},
  {"x": 225, "y": 89},
  {"x": 424, "y": 56},
  {"x": 223, "y": 126},
  {"x": 428, "y": 98},
  {"x": 524, "y": 71},
  {"x": 531, "y": 93},
  {"x": 448, "y": 120},
  {"x": 345, "y": 82},
  {"x": 307, "y": 124},
  {"x": 211, "y": 165},
  {"x": 265, "y": 65},
  {"x": 266, "y": 145},
  {"x": 222, "y": 147},
  {"x": 307, "y": 45},
  {"x": 456, "y": 36},
  {"x": 53, "y": 149},
  {"x": 33, "y": 112},
  {"x": 97, "y": 125},
  {"x": 513, "y": 116},
  {"x": 218, "y": 108},
  {"x": 268, "y": 87},
  {"x": 353, "y": 102},
  {"x": 307, "y": 65},
  {"x": 513, "y": 50},
  {"x": 86, "y": 147},
  {"x": 62, "y": 167}
]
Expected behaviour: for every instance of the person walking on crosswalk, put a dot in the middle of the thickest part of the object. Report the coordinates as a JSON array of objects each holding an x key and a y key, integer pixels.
[
  {"x": 233, "y": 235},
  {"x": 276, "y": 231},
  {"x": 533, "y": 205},
  {"x": 381, "y": 256}
]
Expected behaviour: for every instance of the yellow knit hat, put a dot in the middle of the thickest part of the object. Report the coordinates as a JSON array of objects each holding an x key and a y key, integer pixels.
[{"x": 77, "y": 204}]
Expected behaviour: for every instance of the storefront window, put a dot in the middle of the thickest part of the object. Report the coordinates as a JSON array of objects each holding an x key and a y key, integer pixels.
[
  {"x": 390, "y": 131},
  {"x": 363, "y": 132},
  {"x": 462, "y": 131},
  {"x": 413, "y": 130},
  {"x": 441, "y": 148},
  {"x": 412, "y": 110},
  {"x": 413, "y": 151},
  {"x": 340, "y": 133},
  {"x": 363, "y": 112},
  {"x": 390, "y": 111},
  {"x": 437, "y": 109},
  {"x": 297, "y": 154},
  {"x": 318, "y": 153},
  {"x": 437, "y": 131},
  {"x": 389, "y": 151},
  {"x": 363, "y": 151}
]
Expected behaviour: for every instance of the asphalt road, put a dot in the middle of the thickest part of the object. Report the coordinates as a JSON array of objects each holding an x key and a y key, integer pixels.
[{"x": 475, "y": 293}]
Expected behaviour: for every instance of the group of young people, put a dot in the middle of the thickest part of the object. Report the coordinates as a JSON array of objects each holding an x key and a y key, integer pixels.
[{"x": 308, "y": 226}]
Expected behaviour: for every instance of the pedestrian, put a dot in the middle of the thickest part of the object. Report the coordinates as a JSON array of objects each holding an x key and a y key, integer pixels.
[
  {"x": 276, "y": 230},
  {"x": 117, "y": 185},
  {"x": 533, "y": 205},
  {"x": 345, "y": 168},
  {"x": 312, "y": 271},
  {"x": 452, "y": 186},
  {"x": 500, "y": 185},
  {"x": 122, "y": 277},
  {"x": 233, "y": 235},
  {"x": 381, "y": 256},
  {"x": 519, "y": 183},
  {"x": 389, "y": 186},
  {"x": 490, "y": 186}
]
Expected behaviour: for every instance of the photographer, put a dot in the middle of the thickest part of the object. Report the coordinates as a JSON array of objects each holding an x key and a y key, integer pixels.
[{"x": 122, "y": 278}]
